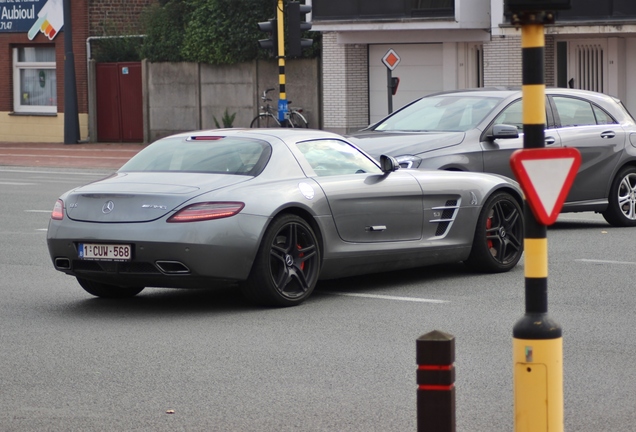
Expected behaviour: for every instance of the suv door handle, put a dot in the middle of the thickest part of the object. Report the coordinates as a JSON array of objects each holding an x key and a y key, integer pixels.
[
  {"x": 549, "y": 140},
  {"x": 608, "y": 134}
]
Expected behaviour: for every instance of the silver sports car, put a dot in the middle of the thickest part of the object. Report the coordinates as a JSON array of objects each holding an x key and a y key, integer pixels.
[{"x": 273, "y": 211}]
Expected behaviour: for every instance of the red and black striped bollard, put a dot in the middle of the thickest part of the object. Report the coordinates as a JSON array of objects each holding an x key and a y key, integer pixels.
[{"x": 435, "y": 355}]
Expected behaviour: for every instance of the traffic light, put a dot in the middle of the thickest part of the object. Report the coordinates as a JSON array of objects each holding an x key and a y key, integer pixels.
[
  {"x": 296, "y": 27},
  {"x": 395, "y": 82},
  {"x": 270, "y": 26}
]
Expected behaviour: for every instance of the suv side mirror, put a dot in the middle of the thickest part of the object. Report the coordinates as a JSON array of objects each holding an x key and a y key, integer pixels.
[
  {"x": 389, "y": 164},
  {"x": 504, "y": 131}
]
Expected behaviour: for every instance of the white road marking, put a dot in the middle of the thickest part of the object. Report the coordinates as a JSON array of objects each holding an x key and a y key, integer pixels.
[
  {"x": 37, "y": 211},
  {"x": 65, "y": 171},
  {"x": 387, "y": 297},
  {"x": 74, "y": 150},
  {"x": 606, "y": 262},
  {"x": 16, "y": 183},
  {"x": 68, "y": 157}
]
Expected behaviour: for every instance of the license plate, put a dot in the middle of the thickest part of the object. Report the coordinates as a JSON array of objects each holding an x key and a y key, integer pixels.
[{"x": 108, "y": 252}]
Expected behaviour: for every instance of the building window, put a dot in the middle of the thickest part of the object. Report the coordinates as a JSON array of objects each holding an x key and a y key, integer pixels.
[
  {"x": 34, "y": 80},
  {"x": 433, "y": 8}
]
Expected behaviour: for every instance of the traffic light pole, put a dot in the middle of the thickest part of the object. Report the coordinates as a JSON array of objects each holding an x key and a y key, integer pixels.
[
  {"x": 537, "y": 339},
  {"x": 282, "y": 95},
  {"x": 276, "y": 42}
]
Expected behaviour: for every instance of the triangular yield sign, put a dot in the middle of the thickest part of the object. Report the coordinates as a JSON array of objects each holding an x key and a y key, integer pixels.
[{"x": 546, "y": 176}]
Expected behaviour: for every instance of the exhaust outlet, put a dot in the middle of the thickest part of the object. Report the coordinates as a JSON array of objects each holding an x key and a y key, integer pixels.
[
  {"x": 172, "y": 267},
  {"x": 62, "y": 263}
]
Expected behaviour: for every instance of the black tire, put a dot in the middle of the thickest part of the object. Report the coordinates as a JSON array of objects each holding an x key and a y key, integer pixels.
[
  {"x": 99, "y": 289},
  {"x": 621, "y": 209},
  {"x": 265, "y": 121},
  {"x": 498, "y": 241},
  {"x": 287, "y": 264},
  {"x": 298, "y": 120}
]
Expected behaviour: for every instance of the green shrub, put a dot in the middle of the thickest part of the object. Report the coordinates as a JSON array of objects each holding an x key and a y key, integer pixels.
[
  {"x": 227, "y": 120},
  {"x": 164, "y": 25},
  {"x": 115, "y": 44},
  {"x": 210, "y": 31},
  {"x": 225, "y": 31}
]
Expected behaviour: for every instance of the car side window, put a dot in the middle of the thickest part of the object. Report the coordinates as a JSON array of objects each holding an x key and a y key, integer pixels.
[
  {"x": 512, "y": 115},
  {"x": 602, "y": 117},
  {"x": 577, "y": 112},
  {"x": 334, "y": 157}
]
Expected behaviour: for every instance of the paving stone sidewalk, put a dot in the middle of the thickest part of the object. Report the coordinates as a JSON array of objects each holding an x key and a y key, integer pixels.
[{"x": 59, "y": 155}]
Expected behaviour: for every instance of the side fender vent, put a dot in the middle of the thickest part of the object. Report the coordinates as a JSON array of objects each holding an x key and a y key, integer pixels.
[{"x": 447, "y": 217}]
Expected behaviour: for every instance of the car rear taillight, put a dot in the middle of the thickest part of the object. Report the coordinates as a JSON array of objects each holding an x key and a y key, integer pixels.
[
  {"x": 58, "y": 210},
  {"x": 207, "y": 211}
]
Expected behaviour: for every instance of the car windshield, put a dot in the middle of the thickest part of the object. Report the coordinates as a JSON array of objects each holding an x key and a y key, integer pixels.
[
  {"x": 442, "y": 113},
  {"x": 217, "y": 155}
]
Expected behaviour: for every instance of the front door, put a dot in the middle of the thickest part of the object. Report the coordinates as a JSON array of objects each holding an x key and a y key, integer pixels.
[
  {"x": 497, "y": 152},
  {"x": 375, "y": 207}
]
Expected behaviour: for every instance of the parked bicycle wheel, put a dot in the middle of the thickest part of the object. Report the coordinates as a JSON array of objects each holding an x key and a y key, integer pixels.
[
  {"x": 298, "y": 120},
  {"x": 265, "y": 121}
]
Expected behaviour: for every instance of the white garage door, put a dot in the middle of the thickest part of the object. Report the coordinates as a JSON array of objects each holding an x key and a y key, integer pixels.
[{"x": 420, "y": 71}]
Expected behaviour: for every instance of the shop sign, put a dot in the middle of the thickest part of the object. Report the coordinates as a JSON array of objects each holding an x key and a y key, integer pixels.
[{"x": 32, "y": 17}]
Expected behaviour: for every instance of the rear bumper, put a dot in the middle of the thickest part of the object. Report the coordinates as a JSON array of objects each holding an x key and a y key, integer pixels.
[{"x": 163, "y": 254}]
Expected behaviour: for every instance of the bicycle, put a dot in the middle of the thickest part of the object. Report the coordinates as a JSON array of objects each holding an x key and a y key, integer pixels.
[{"x": 268, "y": 116}]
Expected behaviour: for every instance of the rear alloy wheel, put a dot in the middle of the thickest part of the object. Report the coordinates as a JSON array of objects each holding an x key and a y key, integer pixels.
[
  {"x": 287, "y": 264},
  {"x": 99, "y": 289},
  {"x": 498, "y": 241},
  {"x": 621, "y": 210}
]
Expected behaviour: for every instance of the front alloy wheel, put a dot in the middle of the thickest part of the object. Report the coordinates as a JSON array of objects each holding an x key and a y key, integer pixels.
[
  {"x": 287, "y": 265},
  {"x": 498, "y": 241},
  {"x": 621, "y": 209}
]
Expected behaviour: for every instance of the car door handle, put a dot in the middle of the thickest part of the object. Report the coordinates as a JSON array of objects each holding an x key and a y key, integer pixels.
[
  {"x": 608, "y": 134},
  {"x": 376, "y": 228},
  {"x": 549, "y": 140}
]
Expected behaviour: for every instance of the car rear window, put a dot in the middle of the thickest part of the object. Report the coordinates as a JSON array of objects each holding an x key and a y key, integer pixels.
[{"x": 215, "y": 155}]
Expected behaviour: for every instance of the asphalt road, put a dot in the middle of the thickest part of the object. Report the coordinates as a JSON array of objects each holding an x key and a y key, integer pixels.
[{"x": 205, "y": 360}]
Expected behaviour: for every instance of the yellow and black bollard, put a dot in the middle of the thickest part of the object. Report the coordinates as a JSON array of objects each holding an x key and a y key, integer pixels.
[{"x": 537, "y": 339}]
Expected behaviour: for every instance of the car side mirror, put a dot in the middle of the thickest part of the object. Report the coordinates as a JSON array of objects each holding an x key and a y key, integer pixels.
[
  {"x": 504, "y": 131},
  {"x": 389, "y": 164}
]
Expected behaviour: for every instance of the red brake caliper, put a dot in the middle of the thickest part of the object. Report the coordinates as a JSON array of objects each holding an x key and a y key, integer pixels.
[
  {"x": 488, "y": 226},
  {"x": 302, "y": 264}
]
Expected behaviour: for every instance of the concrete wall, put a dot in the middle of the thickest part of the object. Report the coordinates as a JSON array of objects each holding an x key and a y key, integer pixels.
[
  {"x": 180, "y": 97},
  {"x": 227, "y": 87},
  {"x": 173, "y": 98}
]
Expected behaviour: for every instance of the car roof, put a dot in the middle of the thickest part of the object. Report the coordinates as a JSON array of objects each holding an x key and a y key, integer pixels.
[
  {"x": 293, "y": 134},
  {"x": 507, "y": 91}
]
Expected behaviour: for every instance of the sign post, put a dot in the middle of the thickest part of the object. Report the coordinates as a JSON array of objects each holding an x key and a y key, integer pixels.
[
  {"x": 537, "y": 338},
  {"x": 391, "y": 59},
  {"x": 71, "y": 119}
]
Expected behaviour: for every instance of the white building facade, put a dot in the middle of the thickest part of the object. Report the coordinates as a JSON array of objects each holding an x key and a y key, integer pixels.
[{"x": 455, "y": 44}]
